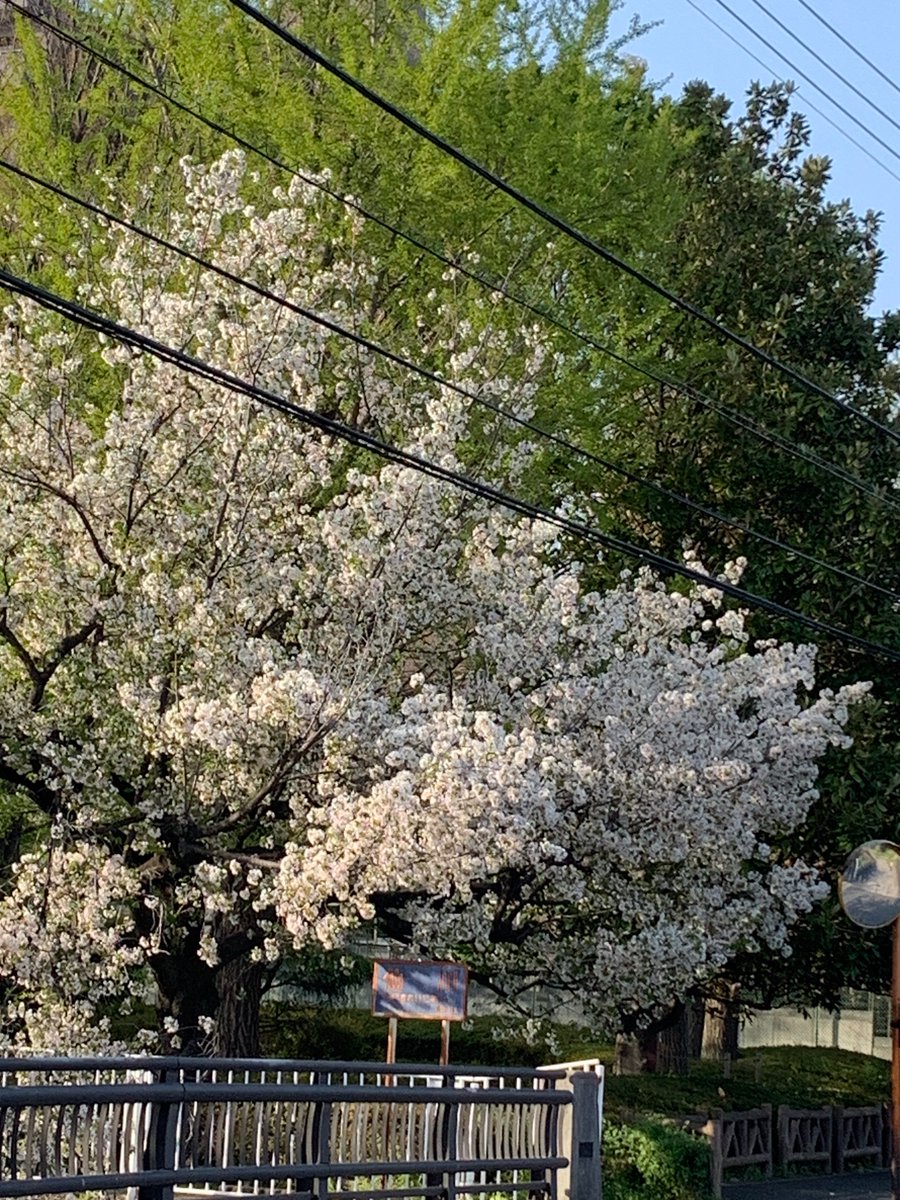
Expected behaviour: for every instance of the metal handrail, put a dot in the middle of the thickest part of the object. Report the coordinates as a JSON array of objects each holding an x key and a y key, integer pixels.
[
  {"x": 188, "y": 1063},
  {"x": 190, "y": 1123},
  {"x": 264, "y": 1173},
  {"x": 173, "y": 1093}
]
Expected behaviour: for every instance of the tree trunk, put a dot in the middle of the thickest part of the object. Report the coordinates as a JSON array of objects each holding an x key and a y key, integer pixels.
[
  {"x": 239, "y": 988},
  {"x": 697, "y": 1019},
  {"x": 187, "y": 1000},
  {"x": 720, "y": 1025},
  {"x": 673, "y": 1044},
  {"x": 662, "y": 1047},
  {"x": 629, "y": 1060},
  {"x": 210, "y": 1010}
]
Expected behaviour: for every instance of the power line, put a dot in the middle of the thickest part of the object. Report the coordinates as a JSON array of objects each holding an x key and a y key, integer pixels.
[
  {"x": 784, "y": 58},
  {"x": 807, "y": 102},
  {"x": 557, "y": 222},
  {"x": 834, "y": 71},
  {"x": 89, "y": 319},
  {"x": 433, "y": 377},
  {"x": 859, "y": 54},
  {"x": 791, "y": 448},
  {"x": 688, "y": 390}
]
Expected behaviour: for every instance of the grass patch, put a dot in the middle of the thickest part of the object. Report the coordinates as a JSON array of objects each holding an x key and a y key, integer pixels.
[{"x": 800, "y": 1076}]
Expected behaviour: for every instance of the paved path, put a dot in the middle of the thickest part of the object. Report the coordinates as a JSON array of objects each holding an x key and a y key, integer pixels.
[{"x": 854, "y": 1185}]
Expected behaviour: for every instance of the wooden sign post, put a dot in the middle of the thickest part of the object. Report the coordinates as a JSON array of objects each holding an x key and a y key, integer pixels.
[{"x": 424, "y": 991}]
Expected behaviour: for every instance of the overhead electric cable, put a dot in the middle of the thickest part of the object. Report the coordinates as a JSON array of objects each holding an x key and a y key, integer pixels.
[
  {"x": 807, "y": 103},
  {"x": 434, "y": 377},
  {"x": 859, "y": 54},
  {"x": 90, "y": 319},
  {"x": 699, "y": 397},
  {"x": 812, "y": 83},
  {"x": 827, "y": 65},
  {"x": 557, "y": 222}
]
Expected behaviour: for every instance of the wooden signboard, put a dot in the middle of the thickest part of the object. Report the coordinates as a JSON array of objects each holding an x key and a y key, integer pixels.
[{"x": 429, "y": 991}]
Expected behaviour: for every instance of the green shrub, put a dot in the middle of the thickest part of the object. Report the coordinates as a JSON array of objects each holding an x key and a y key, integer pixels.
[
  {"x": 298, "y": 1031},
  {"x": 653, "y": 1161}
]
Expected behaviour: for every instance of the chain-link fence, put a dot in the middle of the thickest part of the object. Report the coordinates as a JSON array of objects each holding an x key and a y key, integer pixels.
[{"x": 861, "y": 1024}]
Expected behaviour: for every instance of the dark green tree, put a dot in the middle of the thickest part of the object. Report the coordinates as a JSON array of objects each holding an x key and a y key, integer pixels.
[{"x": 761, "y": 248}]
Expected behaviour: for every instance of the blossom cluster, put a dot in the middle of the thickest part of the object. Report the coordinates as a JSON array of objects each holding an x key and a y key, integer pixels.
[{"x": 260, "y": 689}]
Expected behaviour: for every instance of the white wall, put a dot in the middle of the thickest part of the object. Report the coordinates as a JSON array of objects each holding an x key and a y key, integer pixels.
[{"x": 856, "y": 1028}]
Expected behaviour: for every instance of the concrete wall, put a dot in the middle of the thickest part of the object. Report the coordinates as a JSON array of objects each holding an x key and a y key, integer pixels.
[{"x": 860, "y": 1027}]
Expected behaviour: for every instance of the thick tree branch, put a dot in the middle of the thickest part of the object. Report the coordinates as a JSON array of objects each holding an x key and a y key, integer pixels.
[
  {"x": 21, "y": 652},
  {"x": 285, "y": 765},
  {"x": 41, "y": 674},
  {"x": 66, "y": 645},
  {"x": 45, "y": 799}
]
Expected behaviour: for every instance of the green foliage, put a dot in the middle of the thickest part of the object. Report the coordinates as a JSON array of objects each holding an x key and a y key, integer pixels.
[
  {"x": 541, "y": 102},
  {"x": 322, "y": 976},
  {"x": 830, "y": 953},
  {"x": 646, "y": 1159},
  {"x": 800, "y": 1076},
  {"x": 21, "y": 827},
  {"x": 759, "y": 246},
  {"x": 293, "y": 1031},
  {"x": 652, "y": 1161}
]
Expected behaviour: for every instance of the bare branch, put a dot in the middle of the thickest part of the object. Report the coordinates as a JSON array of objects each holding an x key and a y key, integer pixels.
[
  {"x": 67, "y": 644},
  {"x": 21, "y": 652},
  {"x": 285, "y": 765},
  {"x": 241, "y": 856},
  {"x": 72, "y": 501}
]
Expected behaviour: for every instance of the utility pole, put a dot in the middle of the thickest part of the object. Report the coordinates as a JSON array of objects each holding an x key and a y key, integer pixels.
[{"x": 869, "y": 889}]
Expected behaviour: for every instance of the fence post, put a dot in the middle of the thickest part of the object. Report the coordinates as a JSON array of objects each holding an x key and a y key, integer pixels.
[
  {"x": 584, "y": 1157},
  {"x": 562, "y": 1143},
  {"x": 451, "y": 1143},
  {"x": 442, "y": 1131},
  {"x": 781, "y": 1138},
  {"x": 885, "y": 1135},
  {"x": 837, "y": 1140},
  {"x": 769, "y": 1166},
  {"x": 323, "y": 1138},
  {"x": 160, "y": 1152},
  {"x": 716, "y": 1165}
]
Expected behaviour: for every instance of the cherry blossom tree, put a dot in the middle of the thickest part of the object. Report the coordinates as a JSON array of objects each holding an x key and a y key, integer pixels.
[{"x": 260, "y": 689}]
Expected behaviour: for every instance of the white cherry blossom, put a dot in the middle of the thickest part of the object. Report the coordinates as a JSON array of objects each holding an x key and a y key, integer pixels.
[{"x": 260, "y": 688}]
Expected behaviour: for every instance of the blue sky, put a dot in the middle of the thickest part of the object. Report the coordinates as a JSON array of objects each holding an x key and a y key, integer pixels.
[{"x": 686, "y": 46}]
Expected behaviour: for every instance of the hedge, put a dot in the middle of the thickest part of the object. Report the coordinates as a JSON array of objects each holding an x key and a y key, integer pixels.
[{"x": 653, "y": 1161}]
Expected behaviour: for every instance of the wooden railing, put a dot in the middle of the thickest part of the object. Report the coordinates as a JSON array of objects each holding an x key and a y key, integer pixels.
[
  {"x": 215, "y": 1127},
  {"x": 804, "y": 1135},
  {"x": 834, "y": 1138},
  {"x": 740, "y": 1139},
  {"x": 861, "y": 1134}
]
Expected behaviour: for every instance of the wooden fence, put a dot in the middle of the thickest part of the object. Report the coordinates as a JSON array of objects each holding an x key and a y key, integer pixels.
[{"x": 833, "y": 1138}]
